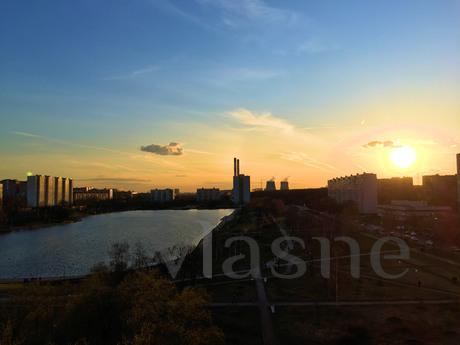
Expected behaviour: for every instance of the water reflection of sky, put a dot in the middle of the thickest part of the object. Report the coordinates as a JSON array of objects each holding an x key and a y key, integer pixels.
[{"x": 72, "y": 249}]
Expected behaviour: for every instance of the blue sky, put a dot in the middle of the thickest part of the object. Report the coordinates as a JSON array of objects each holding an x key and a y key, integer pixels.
[{"x": 120, "y": 74}]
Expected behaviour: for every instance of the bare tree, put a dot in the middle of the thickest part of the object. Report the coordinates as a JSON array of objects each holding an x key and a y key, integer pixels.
[{"x": 119, "y": 257}]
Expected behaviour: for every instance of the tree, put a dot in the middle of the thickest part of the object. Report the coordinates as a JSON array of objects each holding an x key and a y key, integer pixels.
[
  {"x": 158, "y": 314},
  {"x": 119, "y": 257},
  {"x": 141, "y": 260}
]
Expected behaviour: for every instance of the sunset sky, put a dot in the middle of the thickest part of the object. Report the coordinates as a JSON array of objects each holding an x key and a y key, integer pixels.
[{"x": 164, "y": 93}]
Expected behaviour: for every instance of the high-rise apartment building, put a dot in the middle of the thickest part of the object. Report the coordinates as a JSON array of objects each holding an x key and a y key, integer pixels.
[
  {"x": 207, "y": 194},
  {"x": 440, "y": 190},
  {"x": 14, "y": 193},
  {"x": 47, "y": 191},
  {"x": 162, "y": 195},
  {"x": 361, "y": 189}
]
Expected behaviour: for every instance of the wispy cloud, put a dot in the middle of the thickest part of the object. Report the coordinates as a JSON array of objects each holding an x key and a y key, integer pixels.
[
  {"x": 238, "y": 12},
  {"x": 134, "y": 74},
  {"x": 226, "y": 76},
  {"x": 81, "y": 164},
  {"x": 316, "y": 46},
  {"x": 68, "y": 143},
  {"x": 200, "y": 152},
  {"x": 114, "y": 179},
  {"x": 304, "y": 159},
  {"x": 260, "y": 120},
  {"x": 169, "y": 7}
]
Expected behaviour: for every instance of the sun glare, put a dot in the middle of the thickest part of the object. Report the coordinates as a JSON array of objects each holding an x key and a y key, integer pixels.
[{"x": 403, "y": 157}]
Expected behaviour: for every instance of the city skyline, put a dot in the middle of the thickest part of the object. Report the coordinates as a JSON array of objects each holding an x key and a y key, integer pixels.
[{"x": 297, "y": 90}]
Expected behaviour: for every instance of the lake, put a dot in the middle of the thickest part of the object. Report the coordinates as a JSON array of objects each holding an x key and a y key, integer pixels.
[{"x": 73, "y": 249}]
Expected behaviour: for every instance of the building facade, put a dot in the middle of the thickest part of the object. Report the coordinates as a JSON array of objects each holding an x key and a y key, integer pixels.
[
  {"x": 400, "y": 188},
  {"x": 241, "y": 193},
  {"x": 162, "y": 195},
  {"x": 81, "y": 195},
  {"x": 440, "y": 190},
  {"x": 14, "y": 193},
  {"x": 360, "y": 189},
  {"x": 207, "y": 194},
  {"x": 47, "y": 191}
]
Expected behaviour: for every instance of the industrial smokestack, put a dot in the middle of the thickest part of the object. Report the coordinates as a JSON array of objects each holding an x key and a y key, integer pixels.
[
  {"x": 238, "y": 167},
  {"x": 234, "y": 166}
]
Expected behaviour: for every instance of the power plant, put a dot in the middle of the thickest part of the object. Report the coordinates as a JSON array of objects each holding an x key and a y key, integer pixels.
[
  {"x": 284, "y": 185},
  {"x": 270, "y": 186},
  {"x": 241, "y": 185}
]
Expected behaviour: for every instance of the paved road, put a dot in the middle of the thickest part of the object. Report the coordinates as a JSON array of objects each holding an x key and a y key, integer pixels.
[
  {"x": 428, "y": 255},
  {"x": 341, "y": 303},
  {"x": 268, "y": 336}
]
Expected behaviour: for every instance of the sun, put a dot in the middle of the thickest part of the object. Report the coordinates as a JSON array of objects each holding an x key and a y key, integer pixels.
[{"x": 403, "y": 157}]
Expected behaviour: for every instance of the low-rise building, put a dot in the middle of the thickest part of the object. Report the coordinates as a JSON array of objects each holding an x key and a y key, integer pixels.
[
  {"x": 402, "y": 210},
  {"x": 82, "y": 195},
  {"x": 162, "y": 195},
  {"x": 360, "y": 189},
  {"x": 207, "y": 194}
]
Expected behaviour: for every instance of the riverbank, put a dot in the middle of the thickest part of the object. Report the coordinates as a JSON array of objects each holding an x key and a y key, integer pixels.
[{"x": 79, "y": 213}]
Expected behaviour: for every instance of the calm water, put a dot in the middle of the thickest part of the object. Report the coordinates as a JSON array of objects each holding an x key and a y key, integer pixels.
[{"x": 72, "y": 249}]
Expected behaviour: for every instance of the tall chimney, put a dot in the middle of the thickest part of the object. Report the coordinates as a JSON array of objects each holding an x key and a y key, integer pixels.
[
  {"x": 234, "y": 166},
  {"x": 238, "y": 167}
]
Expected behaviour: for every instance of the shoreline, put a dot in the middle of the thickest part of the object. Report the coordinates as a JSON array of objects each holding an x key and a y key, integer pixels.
[{"x": 4, "y": 230}]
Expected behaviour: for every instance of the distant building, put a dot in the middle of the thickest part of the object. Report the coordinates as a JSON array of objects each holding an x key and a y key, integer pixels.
[
  {"x": 396, "y": 188},
  {"x": 123, "y": 195},
  {"x": 270, "y": 186},
  {"x": 59, "y": 195},
  {"x": 241, "y": 193},
  {"x": 402, "y": 210},
  {"x": 162, "y": 195},
  {"x": 440, "y": 190},
  {"x": 82, "y": 195},
  {"x": 458, "y": 182},
  {"x": 185, "y": 197},
  {"x": 36, "y": 191},
  {"x": 176, "y": 191},
  {"x": 14, "y": 193},
  {"x": 360, "y": 189},
  {"x": 47, "y": 191},
  {"x": 67, "y": 191},
  {"x": 207, "y": 194},
  {"x": 284, "y": 185}
]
